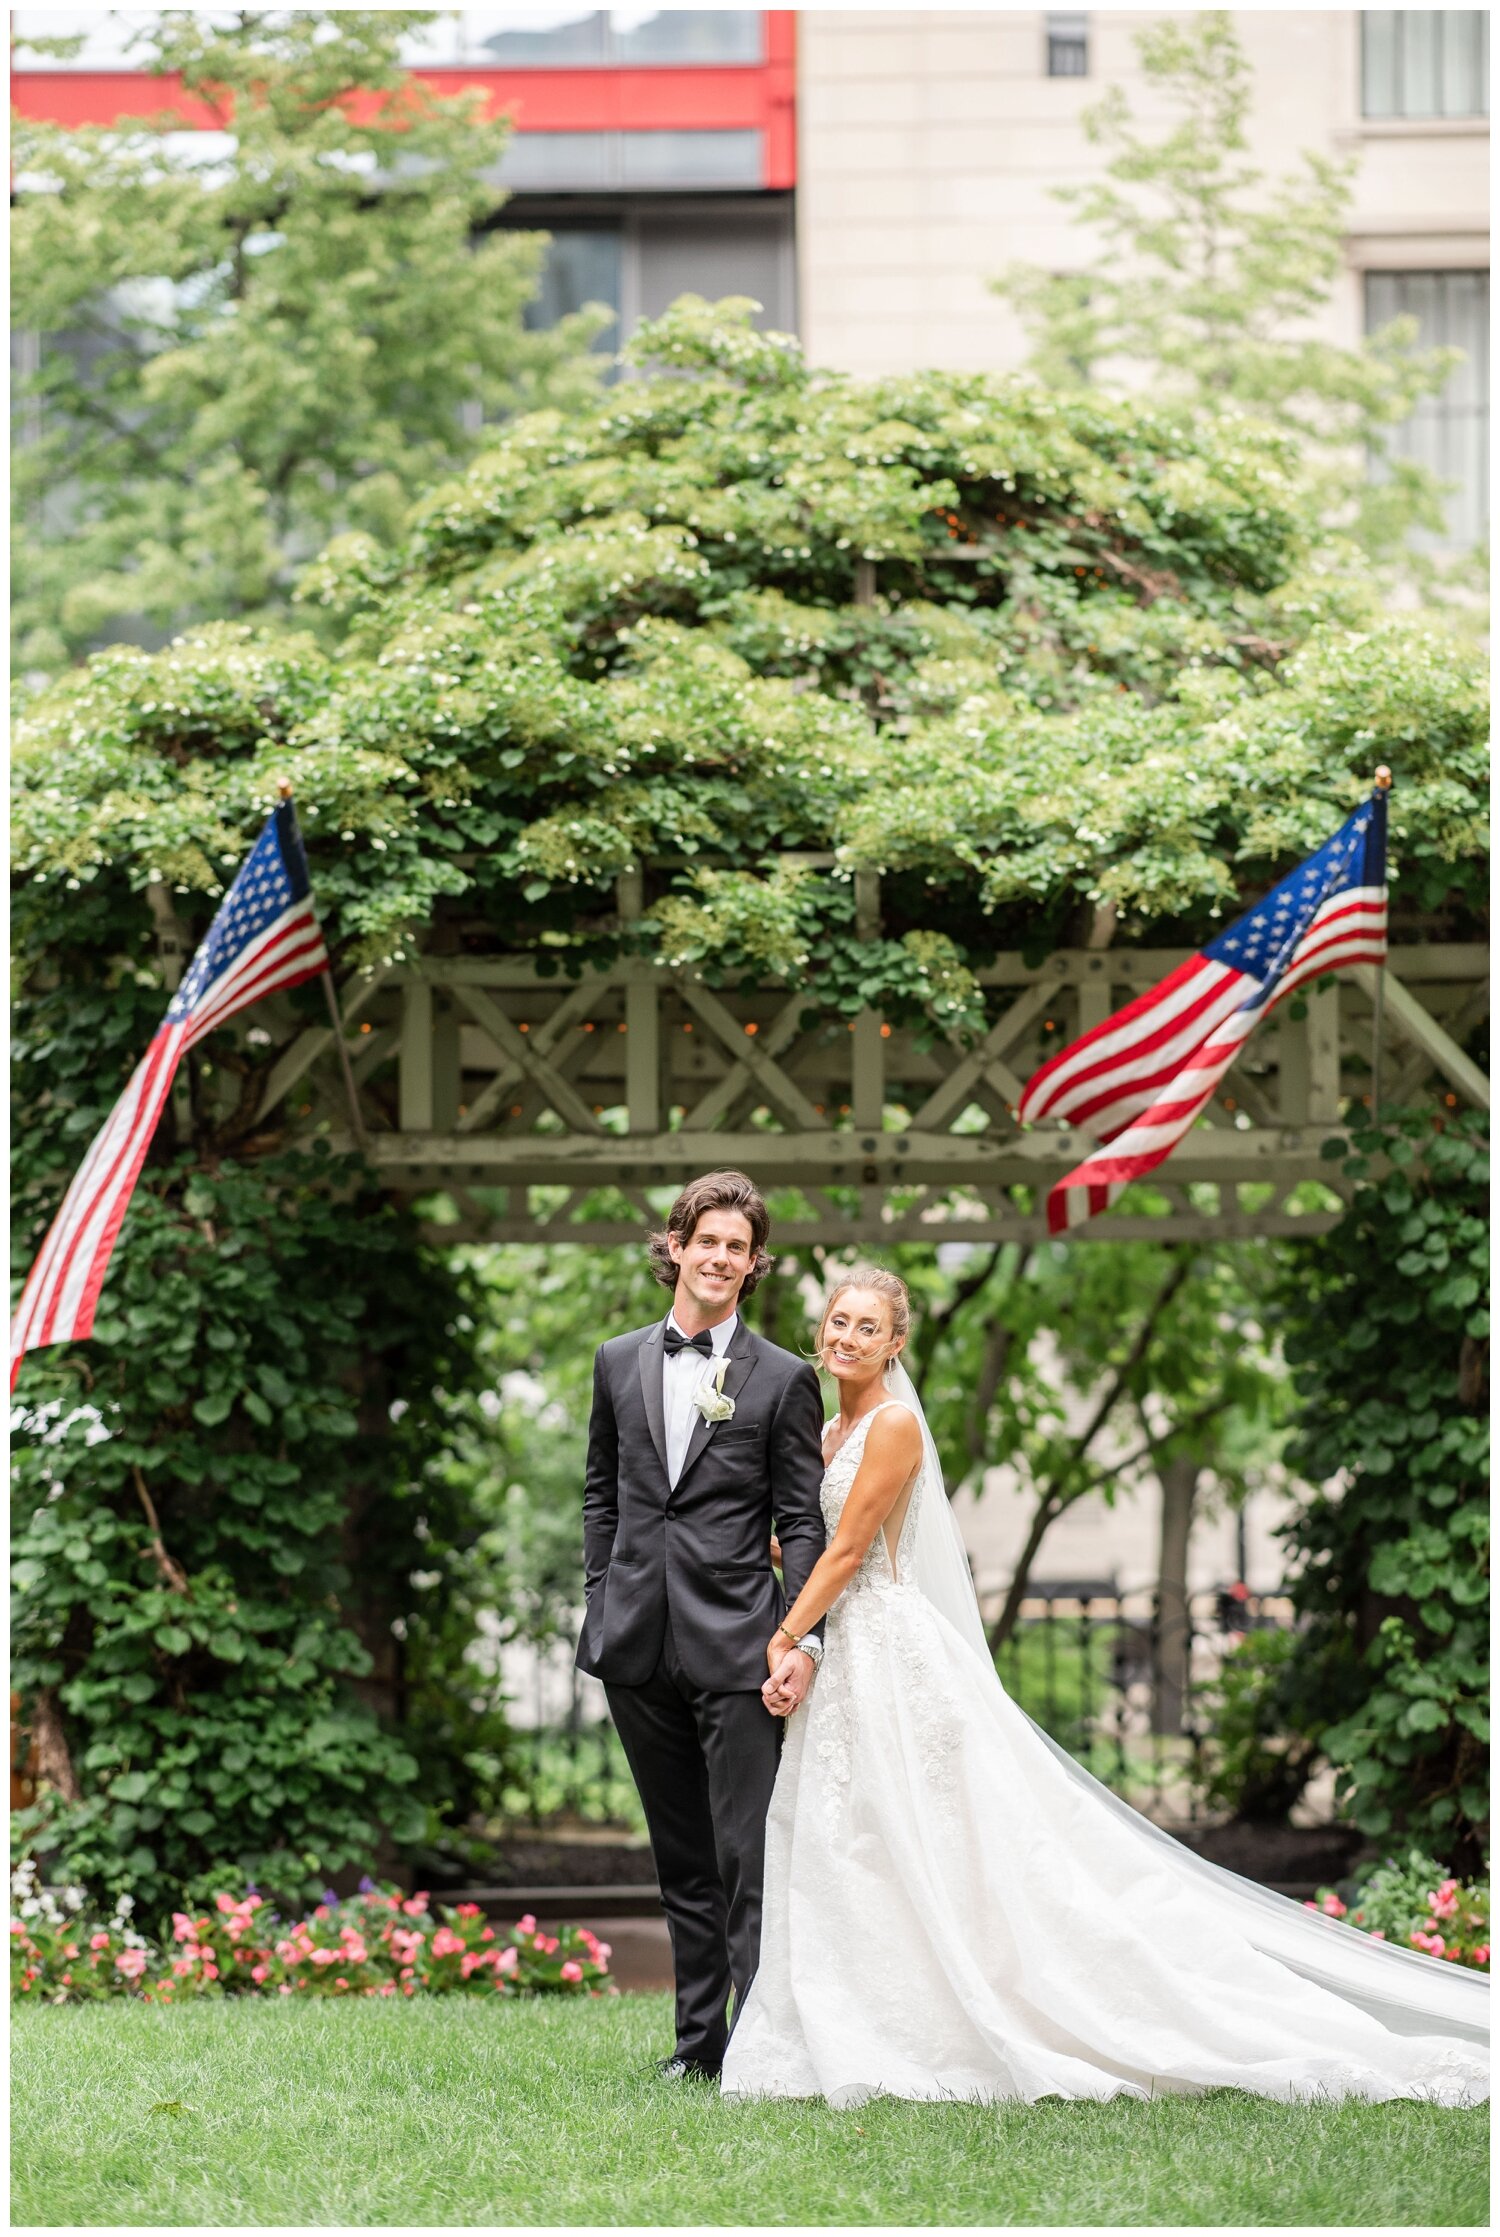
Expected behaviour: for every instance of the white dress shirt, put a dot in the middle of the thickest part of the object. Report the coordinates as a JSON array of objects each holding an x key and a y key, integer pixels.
[{"x": 682, "y": 1375}]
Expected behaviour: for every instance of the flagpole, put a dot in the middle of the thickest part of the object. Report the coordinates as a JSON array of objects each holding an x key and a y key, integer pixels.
[
  {"x": 283, "y": 786},
  {"x": 1383, "y": 783}
]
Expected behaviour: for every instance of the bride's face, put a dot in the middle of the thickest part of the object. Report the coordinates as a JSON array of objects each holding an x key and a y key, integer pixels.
[{"x": 858, "y": 1337}]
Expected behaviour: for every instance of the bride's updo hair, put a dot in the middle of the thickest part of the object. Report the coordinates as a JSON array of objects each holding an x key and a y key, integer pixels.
[{"x": 886, "y": 1285}]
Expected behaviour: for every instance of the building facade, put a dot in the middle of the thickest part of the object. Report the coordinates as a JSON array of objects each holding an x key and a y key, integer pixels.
[
  {"x": 930, "y": 142},
  {"x": 864, "y": 174}
]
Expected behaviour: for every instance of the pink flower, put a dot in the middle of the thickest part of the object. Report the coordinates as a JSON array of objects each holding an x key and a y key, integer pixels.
[
  {"x": 602, "y": 1952},
  {"x": 1377, "y": 1934},
  {"x": 98, "y": 1941},
  {"x": 320, "y": 1911},
  {"x": 1333, "y": 1906},
  {"x": 341, "y": 1982},
  {"x": 488, "y": 1934},
  {"x": 259, "y": 1972},
  {"x": 1481, "y": 1953},
  {"x": 286, "y": 1988},
  {"x": 226, "y": 1903},
  {"x": 508, "y": 1960},
  {"x": 355, "y": 1951},
  {"x": 414, "y": 1906},
  {"x": 210, "y": 1972},
  {"x": 546, "y": 1943},
  {"x": 470, "y": 1959},
  {"x": 132, "y": 1963},
  {"x": 182, "y": 1966},
  {"x": 410, "y": 1989},
  {"x": 572, "y": 1972},
  {"x": 326, "y": 1957},
  {"x": 468, "y": 1911},
  {"x": 526, "y": 1925},
  {"x": 445, "y": 1943}
]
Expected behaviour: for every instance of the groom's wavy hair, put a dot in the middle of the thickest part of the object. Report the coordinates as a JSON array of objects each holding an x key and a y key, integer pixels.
[{"x": 714, "y": 1192}]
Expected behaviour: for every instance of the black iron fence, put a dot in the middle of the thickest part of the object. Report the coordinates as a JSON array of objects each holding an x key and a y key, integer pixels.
[{"x": 1096, "y": 1668}]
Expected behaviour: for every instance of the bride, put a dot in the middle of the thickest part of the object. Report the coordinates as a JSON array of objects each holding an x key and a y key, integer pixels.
[{"x": 955, "y": 1908}]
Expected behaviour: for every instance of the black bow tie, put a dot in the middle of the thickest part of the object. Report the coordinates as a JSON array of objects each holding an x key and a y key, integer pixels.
[{"x": 674, "y": 1342}]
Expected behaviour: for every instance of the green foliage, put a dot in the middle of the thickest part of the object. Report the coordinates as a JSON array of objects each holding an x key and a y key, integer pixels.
[
  {"x": 1411, "y": 1899},
  {"x": 1206, "y": 280},
  {"x": 630, "y": 637},
  {"x": 376, "y": 1943},
  {"x": 211, "y": 1506},
  {"x": 248, "y": 350},
  {"x": 1387, "y": 1333},
  {"x": 1264, "y": 1722}
]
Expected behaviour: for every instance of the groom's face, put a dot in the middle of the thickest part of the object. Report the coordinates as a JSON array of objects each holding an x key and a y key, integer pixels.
[{"x": 713, "y": 1262}]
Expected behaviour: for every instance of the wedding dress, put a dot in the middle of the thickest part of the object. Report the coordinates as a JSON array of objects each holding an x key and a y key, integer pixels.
[{"x": 955, "y": 1908}]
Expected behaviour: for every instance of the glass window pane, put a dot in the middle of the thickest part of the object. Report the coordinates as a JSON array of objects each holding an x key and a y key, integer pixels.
[
  {"x": 1462, "y": 86},
  {"x": 1447, "y": 433},
  {"x": 687, "y": 35},
  {"x": 583, "y": 266},
  {"x": 1067, "y": 45},
  {"x": 1418, "y": 47},
  {"x": 577, "y": 38},
  {"x": 1380, "y": 62}
]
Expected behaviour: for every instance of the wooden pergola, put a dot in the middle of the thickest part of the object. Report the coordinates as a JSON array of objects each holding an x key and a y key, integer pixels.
[{"x": 483, "y": 1072}]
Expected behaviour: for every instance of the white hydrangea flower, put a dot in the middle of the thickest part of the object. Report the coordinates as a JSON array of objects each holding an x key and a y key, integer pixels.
[{"x": 30, "y": 1907}]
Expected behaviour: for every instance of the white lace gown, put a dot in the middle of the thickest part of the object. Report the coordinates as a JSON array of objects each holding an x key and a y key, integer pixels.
[{"x": 947, "y": 1915}]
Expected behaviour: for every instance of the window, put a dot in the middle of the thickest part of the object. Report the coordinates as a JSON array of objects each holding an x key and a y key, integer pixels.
[
  {"x": 1067, "y": 46},
  {"x": 1426, "y": 62},
  {"x": 1449, "y": 432},
  {"x": 577, "y": 38},
  {"x": 583, "y": 266}
]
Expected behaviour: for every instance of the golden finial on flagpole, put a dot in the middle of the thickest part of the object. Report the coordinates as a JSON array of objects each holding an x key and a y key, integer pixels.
[{"x": 1383, "y": 779}]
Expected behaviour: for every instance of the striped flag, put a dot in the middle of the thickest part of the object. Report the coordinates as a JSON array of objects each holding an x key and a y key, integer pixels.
[
  {"x": 1138, "y": 1081},
  {"x": 263, "y": 939}
]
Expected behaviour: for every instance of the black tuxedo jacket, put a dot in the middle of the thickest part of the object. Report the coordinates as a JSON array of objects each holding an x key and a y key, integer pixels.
[{"x": 702, "y": 1546}]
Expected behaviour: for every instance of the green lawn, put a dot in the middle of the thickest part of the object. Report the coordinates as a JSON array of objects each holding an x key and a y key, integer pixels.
[{"x": 457, "y": 2112}]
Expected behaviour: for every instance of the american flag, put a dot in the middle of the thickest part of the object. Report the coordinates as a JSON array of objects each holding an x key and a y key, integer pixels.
[
  {"x": 1138, "y": 1081},
  {"x": 263, "y": 939}
]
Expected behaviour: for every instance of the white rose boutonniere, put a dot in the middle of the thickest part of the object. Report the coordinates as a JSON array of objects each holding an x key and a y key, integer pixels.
[{"x": 709, "y": 1397}]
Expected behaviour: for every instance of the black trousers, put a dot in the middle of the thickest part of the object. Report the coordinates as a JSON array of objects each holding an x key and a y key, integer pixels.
[{"x": 704, "y": 1764}]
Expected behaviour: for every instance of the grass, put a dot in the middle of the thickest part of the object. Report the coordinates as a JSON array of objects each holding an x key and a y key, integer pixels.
[{"x": 461, "y": 2113}]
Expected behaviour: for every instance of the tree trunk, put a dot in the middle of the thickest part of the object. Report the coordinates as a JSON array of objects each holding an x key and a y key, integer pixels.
[
  {"x": 54, "y": 1763},
  {"x": 1179, "y": 1486}
]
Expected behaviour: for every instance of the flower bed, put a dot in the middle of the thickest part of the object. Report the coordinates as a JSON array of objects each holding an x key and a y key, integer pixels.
[
  {"x": 376, "y": 1943},
  {"x": 1410, "y": 1899}
]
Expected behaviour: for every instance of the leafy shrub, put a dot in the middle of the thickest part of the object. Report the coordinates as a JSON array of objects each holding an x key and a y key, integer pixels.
[
  {"x": 1264, "y": 1728},
  {"x": 1411, "y": 1899},
  {"x": 376, "y": 1943},
  {"x": 1386, "y": 1331}
]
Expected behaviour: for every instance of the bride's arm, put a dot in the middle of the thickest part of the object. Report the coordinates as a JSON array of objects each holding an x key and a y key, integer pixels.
[{"x": 892, "y": 1455}]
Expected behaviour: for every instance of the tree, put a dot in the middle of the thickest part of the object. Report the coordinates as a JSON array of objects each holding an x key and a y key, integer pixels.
[
  {"x": 1208, "y": 277},
  {"x": 1388, "y": 1335},
  {"x": 250, "y": 343},
  {"x": 633, "y": 635},
  {"x": 1086, "y": 1370}
]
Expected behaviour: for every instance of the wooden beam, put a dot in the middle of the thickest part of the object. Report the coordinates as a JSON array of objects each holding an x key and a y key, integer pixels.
[
  {"x": 414, "y": 1091},
  {"x": 567, "y": 1103},
  {"x": 643, "y": 1047},
  {"x": 1404, "y": 1015}
]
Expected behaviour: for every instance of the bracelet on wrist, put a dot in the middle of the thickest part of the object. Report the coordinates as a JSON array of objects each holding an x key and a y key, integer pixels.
[{"x": 795, "y": 1637}]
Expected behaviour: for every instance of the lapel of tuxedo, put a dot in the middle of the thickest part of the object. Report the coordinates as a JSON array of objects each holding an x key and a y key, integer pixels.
[
  {"x": 650, "y": 1361},
  {"x": 741, "y": 1361}
]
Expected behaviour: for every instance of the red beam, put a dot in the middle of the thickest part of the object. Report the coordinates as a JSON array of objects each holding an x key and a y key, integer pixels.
[{"x": 760, "y": 97}]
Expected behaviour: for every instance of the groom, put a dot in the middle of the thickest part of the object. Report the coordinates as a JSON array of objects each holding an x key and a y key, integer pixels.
[{"x": 702, "y": 1439}]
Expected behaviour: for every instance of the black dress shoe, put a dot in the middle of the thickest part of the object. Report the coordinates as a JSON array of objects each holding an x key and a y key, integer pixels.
[{"x": 679, "y": 2069}]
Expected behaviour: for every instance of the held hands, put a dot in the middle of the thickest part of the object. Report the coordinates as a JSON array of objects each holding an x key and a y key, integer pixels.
[{"x": 791, "y": 1674}]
